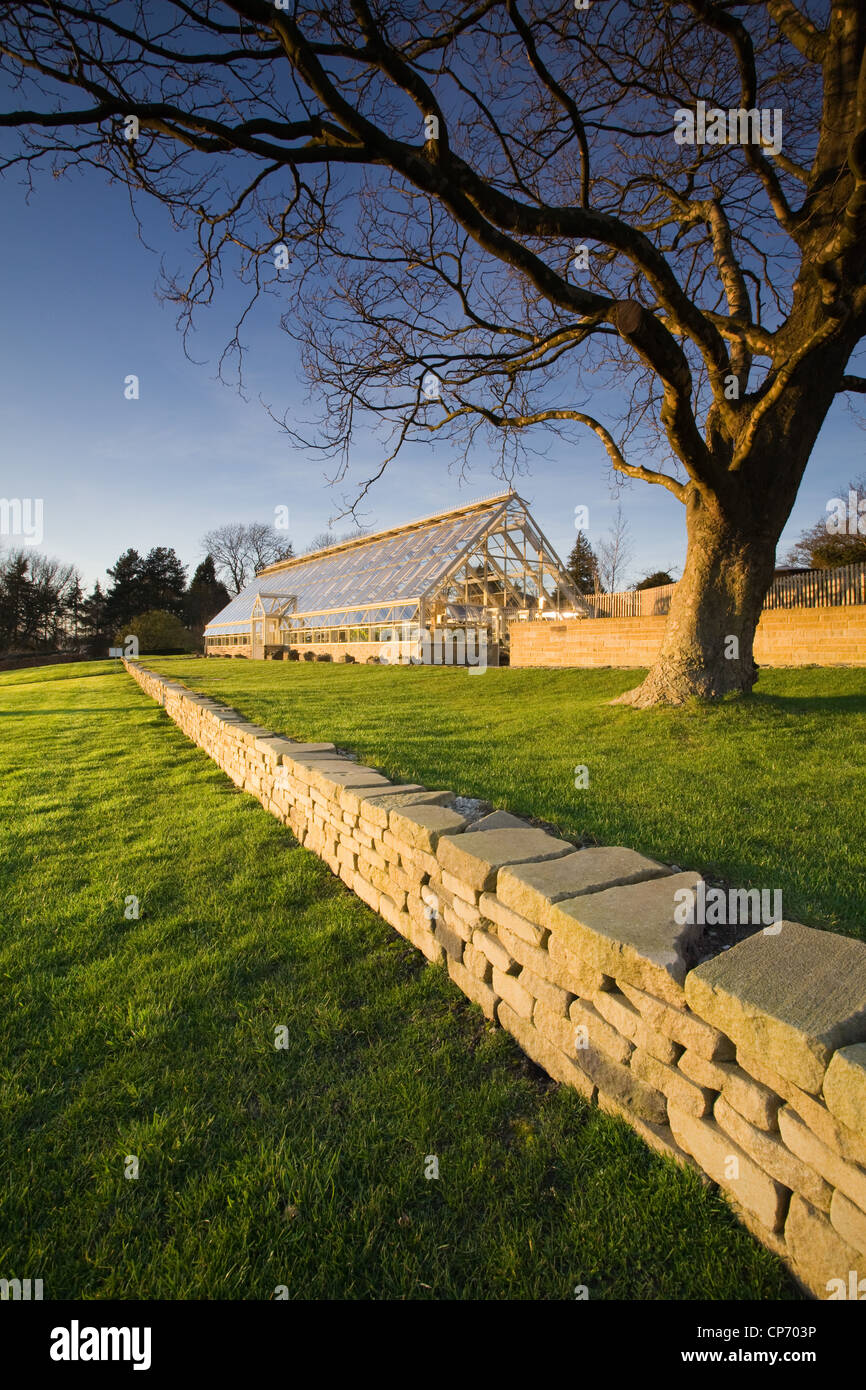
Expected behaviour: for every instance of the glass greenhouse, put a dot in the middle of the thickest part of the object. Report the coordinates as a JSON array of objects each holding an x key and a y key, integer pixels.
[{"x": 474, "y": 568}]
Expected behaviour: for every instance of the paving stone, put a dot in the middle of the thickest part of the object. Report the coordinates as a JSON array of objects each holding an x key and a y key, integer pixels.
[
  {"x": 421, "y": 826},
  {"x": 477, "y": 858},
  {"x": 845, "y": 1087},
  {"x": 819, "y": 1253},
  {"x": 491, "y": 907},
  {"x": 835, "y": 1170},
  {"x": 829, "y": 1130},
  {"x": 792, "y": 997},
  {"x": 849, "y": 1221},
  {"x": 696, "y": 1100},
  {"x": 531, "y": 888},
  {"x": 773, "y": 1156},
  {"x": 630, "y": 933},
  {"x": 713, "y": 1150},
  {"x": 543, "y": 1052}
]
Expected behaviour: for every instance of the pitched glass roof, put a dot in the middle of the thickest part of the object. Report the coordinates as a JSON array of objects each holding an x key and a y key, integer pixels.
[{"x": 395, "y": 567}]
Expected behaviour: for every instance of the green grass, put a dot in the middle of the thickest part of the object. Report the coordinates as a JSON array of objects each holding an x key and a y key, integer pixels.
[
  {"x": 305, "y": 1166},
  {"x": 765, "y": 792}
]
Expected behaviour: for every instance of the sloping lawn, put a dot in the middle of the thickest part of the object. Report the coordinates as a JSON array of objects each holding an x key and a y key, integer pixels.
[
  {"x": 153, "y": 1037},
  {"x": 764, "y": 793}
]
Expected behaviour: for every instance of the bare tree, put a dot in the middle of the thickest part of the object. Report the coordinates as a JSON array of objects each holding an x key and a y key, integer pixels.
[
  {"x": 491, "y": 209},
  {"x": 615, "y": 553},
  {"x": 239, "y": 551}
]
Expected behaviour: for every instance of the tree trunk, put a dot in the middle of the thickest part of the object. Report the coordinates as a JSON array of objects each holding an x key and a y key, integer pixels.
[{"x": 708, "y": 641}]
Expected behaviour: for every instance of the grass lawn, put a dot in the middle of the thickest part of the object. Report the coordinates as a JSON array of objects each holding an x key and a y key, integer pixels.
[
  {"x": 305, "y": 1167},
  {"x": 764, "y": 793}
]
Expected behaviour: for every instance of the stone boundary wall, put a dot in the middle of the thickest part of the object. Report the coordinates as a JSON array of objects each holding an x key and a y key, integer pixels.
[
  {"x": 749, "y": 1065},
  {"x": 785, "y": 637}
]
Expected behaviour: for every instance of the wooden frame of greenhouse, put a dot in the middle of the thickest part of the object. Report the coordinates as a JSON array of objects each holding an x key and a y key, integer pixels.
[{"x": 414, "y": 592}]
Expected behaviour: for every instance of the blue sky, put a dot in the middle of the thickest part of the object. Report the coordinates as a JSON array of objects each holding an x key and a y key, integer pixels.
[{"x": 80, "y": 312}]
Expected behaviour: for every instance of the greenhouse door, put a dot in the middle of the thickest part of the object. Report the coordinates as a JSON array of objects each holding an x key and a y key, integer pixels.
[{"x": 258, "y": 646}]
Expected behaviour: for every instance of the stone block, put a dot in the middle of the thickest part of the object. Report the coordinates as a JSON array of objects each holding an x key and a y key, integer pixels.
[
  {"x": 849, "y": 1221},
  {"x": 475, "y": 989},
  {"x": 582, "y": 978},
  {"x": 819, "y": 1254},
  {"x": 755, "y": 1102},
  {"x": 684, "y": 1094},
  {"x": 494, "y": 910},
  {"x": 377, "y": 808},
  {"x": 713, "y": 1150},
  {"x": 630, "y": 933},
  {"x": 498, "y": 820},
  {"x": 477, "y": 858},
  {"x": 845, "y": 1087},
  {"x": 422, "y": 937},
  {"x": 422, "y": 826},
  {"x": 792, "y": 997},
  {"x": 551, "y": 996},
  {"x": 543, "y": 1052},
  {"x": 476, "y": 963},
  {"x": 455, "y": 886},
  {"x": 773, "y": 1156},
  {"x": 623, "y": 1016},
  {"x": 599, "y": 1033},
  {"x": 531, "y": 888},
  {"x": 448, "y": 939},
  {"x": 815, "y": 1113},
  {"x": 850, "y": 1179},
  {"x": 514, "y": 994},
  {"x": 495, "y": 952}
]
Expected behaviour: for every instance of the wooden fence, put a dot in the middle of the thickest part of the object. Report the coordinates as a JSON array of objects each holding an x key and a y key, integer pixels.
[{"x": 812, "y": 589}]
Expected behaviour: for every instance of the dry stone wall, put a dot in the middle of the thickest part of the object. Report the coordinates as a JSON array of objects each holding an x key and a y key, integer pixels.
[{"x": 750, "y": 1066}]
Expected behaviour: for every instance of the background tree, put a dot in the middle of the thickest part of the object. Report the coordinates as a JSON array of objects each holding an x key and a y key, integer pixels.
[
  {"x": 825, "y": 546},
  {"x": 124, "y": 593},
  {"x": 35, "y": 595},
  {"x": 205, "y": 597},
  {"x": 161, "y": 581},
  {"x": 614, "y": 554},
  {"x": 239, "y": 550},
  {"x": 655, "y": 580},
  {"x": 582, "y": 565},
  {"x": 95, "y": 624},
  {"x": 520, "y": 240}
]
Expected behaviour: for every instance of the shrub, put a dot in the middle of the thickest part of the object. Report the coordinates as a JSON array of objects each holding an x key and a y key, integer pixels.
[
  {"x": 324, "y": 656},
  {"x": 309, "y": 656},
  {"x": 157, "y": 631}
]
